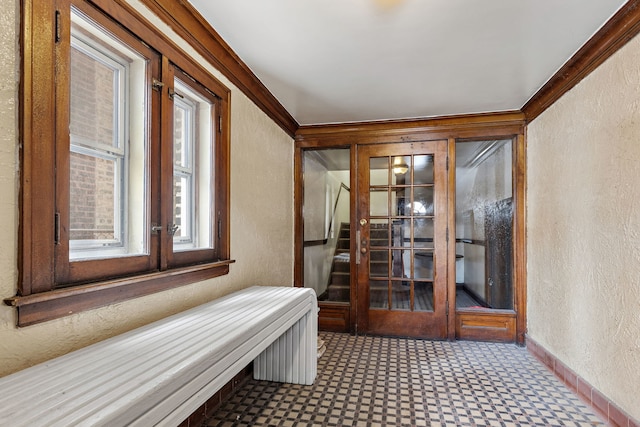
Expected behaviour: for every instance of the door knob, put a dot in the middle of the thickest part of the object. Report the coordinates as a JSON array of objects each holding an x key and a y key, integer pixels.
[{"x": 363, "y": 250}]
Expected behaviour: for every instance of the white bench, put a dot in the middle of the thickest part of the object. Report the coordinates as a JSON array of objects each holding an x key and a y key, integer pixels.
[{"x": 161, "y": 373}]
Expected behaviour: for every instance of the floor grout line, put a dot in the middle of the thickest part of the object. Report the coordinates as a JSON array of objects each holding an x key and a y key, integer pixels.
[{"x": 379, "y": 381}]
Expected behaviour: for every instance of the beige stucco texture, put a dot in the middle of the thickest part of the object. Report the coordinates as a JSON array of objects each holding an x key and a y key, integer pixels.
[
  {"x": 583, "y": 228},
  {"x": 261, "y": 222}
]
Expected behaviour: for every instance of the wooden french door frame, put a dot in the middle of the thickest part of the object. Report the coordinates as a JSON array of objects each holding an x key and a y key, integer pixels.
[
  {"x": 469, "y": 127},
  {"x": 410, "y": 319}
]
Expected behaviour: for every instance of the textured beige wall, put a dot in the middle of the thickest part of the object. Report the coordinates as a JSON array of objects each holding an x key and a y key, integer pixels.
[
  {"x": 583, "y": 228},
  {"x": 261, "y": 224}
]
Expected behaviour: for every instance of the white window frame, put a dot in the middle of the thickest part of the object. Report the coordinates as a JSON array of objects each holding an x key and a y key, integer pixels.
[{"x": 195, "y": 168}]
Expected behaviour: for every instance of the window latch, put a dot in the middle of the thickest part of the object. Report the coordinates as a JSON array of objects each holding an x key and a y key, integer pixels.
[
  {"x": 171, "y": 228},
  {"x": 157, "y": 85},
  {"x": 173, "y": 94}
]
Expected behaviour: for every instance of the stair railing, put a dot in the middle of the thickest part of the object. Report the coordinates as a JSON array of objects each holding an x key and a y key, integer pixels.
[{"x": 333, "y": 214}]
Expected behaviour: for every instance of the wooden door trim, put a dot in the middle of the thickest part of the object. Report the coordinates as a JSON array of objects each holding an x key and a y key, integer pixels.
[
  {"x": 520, "y": 236},
  {"x": 353, "y": 212},
  {"x": 498, "y": 126},
  {"x": 451, "y": 244},
  {"x": 397, "y": 130}
]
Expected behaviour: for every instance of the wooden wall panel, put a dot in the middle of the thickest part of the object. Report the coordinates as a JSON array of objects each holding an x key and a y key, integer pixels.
[
  {"x": 333, "y": 317},
  {"x": 490, "y": 326}
]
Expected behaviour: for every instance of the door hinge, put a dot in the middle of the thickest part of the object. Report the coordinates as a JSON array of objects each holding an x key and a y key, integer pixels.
[
  {"x": 447, "y": 234},
  {"x": 56, "y": 237},
  {"x": 446, "y": 310},
  {"x": 157, "y": 85},
  {"x": 219, "y": 124},
  {"x": 219, "y": 227},
  {"x": 447, "y": 162},
  {"x": 58, "y": 27}
]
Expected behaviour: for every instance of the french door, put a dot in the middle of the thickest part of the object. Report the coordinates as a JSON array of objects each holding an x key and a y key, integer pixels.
[{"x": 401, "y": 239}]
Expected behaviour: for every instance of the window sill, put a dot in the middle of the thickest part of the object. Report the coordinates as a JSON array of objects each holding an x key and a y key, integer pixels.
[{"x": 41, "y": 307}]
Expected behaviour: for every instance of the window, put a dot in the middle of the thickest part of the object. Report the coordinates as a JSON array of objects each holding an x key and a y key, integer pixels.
[
  {"x": 125, "y": 186},
  {"x": 107, "y": 150},
  {"x": 192, "y": 160}
]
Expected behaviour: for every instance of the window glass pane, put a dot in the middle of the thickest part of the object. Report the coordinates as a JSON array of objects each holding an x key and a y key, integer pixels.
[
  {"x": 422, "y": 201},
  {"x": 401, "y": 201},
  {"x": 107, "y": 212},
  {"x": 423, "y": 233},
  {"x": 192, "y": 159},
  {"x": 379, "y": 203},
  {"x": 378, "y": 265},
  {"x": 401, "y": 235},
  {"x": 182, "y": 113},
  {"x": 94, "y": 199},
  {"x": 423, "y": 265},
  {"x": 423, "y": 169},
  {"x": 378, "y": 294},
  {"x": 95, "y": 97},
  {"x": 401, "y": 295},
  {"x": 400, "y": 167},
  {"x": 423, "y": 298},
  {"x": 379, "y": 234},
  {"x": 182, "y": 207},
  {"x": 379, "y": 171}
]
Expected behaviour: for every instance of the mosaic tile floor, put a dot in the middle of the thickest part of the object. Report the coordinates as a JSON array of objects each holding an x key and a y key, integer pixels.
[{"x": 373, "y": 381}]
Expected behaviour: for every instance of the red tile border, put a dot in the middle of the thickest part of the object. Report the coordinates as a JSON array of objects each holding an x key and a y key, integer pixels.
[
  {"x": 570, "y": 378},
  {"x": 618, "y": 416},
  {"x": 584, "y": 390},
  {"x": 603, "y": 407},
  {"x": 599, "y": 402}
]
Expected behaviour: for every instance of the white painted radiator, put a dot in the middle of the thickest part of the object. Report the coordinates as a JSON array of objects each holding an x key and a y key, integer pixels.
[
  {"x": 161, "y": 373},
  {"x": 290, "y": 358}
]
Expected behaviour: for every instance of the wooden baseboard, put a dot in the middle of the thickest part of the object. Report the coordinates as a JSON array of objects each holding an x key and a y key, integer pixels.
[{"x": 602, "y": 405}]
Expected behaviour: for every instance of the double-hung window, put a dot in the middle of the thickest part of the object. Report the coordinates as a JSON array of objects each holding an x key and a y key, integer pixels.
[
  {"x": 192, "y": 165},
  {"x": 107, "y": 145},
  {"x": 125, "y": 161}
]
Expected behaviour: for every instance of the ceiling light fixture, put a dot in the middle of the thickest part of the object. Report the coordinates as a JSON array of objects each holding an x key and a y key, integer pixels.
[{"x": 400, "y": 167}]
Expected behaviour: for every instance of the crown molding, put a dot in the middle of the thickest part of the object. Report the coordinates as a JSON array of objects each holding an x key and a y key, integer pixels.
[
  {"x": 187, "y": 22},
  {"x": 456, "y": 126},
  {"x": 614, "y": 34}
]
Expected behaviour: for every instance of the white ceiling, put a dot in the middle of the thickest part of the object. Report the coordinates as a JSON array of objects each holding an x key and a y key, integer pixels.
[{"x": 338, "y": 61}]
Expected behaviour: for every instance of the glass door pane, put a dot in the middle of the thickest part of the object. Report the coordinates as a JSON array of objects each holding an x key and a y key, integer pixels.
[
  {"x": 401, "y": 233},
  {"x": 484, "y": 224},
  {"x": 326, "y": 216}
]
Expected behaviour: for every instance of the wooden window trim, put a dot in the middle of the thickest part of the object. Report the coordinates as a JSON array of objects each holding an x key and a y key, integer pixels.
[
  {"x": 86, "y": 270},
  {"x": 179, "y": 258},
  {"x": 44, "y": 306},
  {"x": 38, "y": 298}
]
